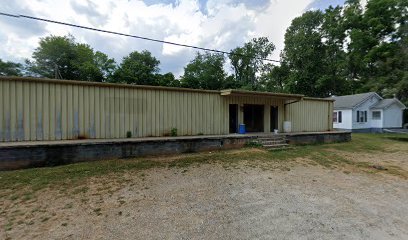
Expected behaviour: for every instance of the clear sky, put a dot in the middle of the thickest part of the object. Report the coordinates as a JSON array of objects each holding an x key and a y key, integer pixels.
[{"x": 219, "y": 24}]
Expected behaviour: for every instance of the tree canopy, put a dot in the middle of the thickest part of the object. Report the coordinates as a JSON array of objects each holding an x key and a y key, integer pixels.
[
  {"x": 349, "y": 49},
  {"x": 247, "y": 62},
  {"x": 205, "y": 71},
  {"x": 10, "y": 68},
  {"x": 62, "y": 57},
  {"x": 339, "y": 50}
]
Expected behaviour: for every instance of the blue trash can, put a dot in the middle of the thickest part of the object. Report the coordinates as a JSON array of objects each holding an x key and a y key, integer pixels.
[{"x": 241, "y": 129}]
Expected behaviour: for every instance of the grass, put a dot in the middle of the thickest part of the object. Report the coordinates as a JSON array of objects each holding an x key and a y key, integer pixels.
[{"x": 73, "y": 175}]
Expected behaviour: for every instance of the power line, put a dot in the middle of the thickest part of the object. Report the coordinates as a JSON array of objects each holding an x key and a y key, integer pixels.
[{"x": 128, "y": 35}]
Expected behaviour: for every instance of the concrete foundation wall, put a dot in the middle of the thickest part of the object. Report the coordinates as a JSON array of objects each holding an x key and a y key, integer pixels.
[
  {"x": 319, "y": 138},
  {"x": 18, "y": 157}
]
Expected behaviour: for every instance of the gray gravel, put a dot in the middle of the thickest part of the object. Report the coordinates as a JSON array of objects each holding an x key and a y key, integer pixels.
[{"x": 210, "y": 202}]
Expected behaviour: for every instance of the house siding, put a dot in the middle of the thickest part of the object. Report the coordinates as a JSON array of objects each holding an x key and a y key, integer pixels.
[
  {"x": 347, "y": 118},
  {"x": 376, "y": 123},
  {"x": 392, "y": 116},
  {"x": 364, "y": 107}
]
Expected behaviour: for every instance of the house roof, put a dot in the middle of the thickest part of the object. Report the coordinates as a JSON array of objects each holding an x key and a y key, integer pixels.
[
  {"x": 351, "y": 101},
  {"x": 384, "y": 103}
]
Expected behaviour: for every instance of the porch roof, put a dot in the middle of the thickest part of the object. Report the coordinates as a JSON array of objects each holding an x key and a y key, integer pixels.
[{"x": 244, "y": 93}]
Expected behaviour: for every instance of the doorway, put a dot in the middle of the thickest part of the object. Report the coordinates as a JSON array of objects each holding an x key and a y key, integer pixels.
[
  {"x": 233, "y": 118},
  {"x": 274, "y": 118},
  {"x": 254, "y": 117}
]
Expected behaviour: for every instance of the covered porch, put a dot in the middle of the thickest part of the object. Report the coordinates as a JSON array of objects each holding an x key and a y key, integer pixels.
[{"x": 260, "y": 112}]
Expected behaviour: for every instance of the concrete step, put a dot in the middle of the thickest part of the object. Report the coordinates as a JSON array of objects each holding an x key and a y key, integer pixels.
[
  {"x": 275, "y": 145},
  {"x": 267, "y": 142},
  {"x": 271, "y": 138}
]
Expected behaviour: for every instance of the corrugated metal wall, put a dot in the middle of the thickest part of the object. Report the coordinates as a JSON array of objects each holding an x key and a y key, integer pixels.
[
  {"x": 310, "y": 115},
  {"x": 38, "y": 109}
]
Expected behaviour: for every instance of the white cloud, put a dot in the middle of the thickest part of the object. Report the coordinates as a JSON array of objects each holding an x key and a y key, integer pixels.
[{"x": 224, "y": 25}]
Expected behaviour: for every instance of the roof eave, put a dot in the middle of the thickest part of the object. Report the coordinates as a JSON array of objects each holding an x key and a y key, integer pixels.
[{"x": 244, "y": 93}]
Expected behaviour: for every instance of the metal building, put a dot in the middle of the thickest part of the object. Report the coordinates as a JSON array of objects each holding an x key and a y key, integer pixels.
[{"x": 47, "y": 109}]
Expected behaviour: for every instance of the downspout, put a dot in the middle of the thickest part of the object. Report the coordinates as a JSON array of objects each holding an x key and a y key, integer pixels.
[{"x": 286, "y": 104}]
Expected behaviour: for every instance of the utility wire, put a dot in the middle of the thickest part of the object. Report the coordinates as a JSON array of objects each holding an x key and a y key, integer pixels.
[{"x": 128, "y": 35}]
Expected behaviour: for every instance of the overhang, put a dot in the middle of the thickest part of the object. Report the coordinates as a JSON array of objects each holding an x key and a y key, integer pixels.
[{"x": 244, "y": 93}]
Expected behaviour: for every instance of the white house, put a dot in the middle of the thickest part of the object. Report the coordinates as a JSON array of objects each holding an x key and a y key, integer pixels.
[{"x": 367, "y": 112}]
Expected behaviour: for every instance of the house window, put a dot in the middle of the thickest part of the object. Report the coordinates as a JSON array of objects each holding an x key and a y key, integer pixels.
[
  {"x": 337, "y": 117},
  {"x": 376, "y": 115},
  {"x": 362, "y": 116}
]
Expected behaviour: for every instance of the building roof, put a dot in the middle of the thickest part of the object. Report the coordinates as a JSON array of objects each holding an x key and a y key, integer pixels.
[
  {"x": 227, "y": 92},
  {"x": 384, "y": 103},
  {"x": 351, "y": 101},
  {"x": 244, "y": 93}
]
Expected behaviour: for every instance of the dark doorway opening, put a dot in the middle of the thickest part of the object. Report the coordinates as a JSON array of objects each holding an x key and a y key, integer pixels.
[
  {"x": 274, "y": 118},
  {"x": 254, "y": 118},
  {"x": 233, "y": 118}
]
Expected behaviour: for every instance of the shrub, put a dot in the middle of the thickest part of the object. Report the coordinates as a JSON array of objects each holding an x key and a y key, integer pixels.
[
  {"x": 173, "y": 132},
  {"x": 128, "y": 134}
]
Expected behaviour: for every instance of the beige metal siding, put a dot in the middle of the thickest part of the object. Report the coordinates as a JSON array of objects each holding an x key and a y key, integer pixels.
[
  {"x": 310, "y": 115},
  {"x": 41, "y": 109},
  {"x": 38, "y": 110}
]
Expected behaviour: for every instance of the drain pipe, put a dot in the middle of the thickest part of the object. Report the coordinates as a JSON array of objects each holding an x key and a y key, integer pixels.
[{"x": 286, "y": 114}]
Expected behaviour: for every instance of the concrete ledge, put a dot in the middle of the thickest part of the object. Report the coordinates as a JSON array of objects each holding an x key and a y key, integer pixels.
[
  {"x": 314, "y": 138},
  {"x": 17, "y": 156}
]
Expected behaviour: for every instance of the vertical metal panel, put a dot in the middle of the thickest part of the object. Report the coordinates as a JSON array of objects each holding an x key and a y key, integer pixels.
[
  {"x": 13, "y": 115},
  {"x": 58, "y": 112},
  {"x": 64, "y": 111},
  {"x": 26, "y": 112},
  {"x": 51, "y": 122},
  {"x": 1, "y": 113},
  {"x": 309, "y": 115}
]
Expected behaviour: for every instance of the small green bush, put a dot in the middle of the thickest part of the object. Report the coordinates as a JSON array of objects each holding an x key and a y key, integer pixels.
[
  {"x": 128, "y": 134},
  {"x": 253, "y": 144},
  {"x": 173, "y": 132}
]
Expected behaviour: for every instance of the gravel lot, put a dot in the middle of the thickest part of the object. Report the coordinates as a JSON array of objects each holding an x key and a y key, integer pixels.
[{"x": 248, "y": 200}]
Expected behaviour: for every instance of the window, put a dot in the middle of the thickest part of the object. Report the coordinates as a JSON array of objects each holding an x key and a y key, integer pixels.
[
  {"x": 376, "y": 115},
  {"x": 337, "y": 117},
  {"x": 362, "y": 116}
]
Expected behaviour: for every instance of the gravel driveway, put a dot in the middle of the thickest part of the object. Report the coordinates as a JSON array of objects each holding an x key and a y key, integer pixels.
[{"x": 214, "y": 201}]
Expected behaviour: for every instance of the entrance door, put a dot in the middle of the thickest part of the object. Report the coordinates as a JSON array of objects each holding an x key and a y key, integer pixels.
[
  {"x": 274, "y": 118},
  {"x": 254, "y": 118},
  {"x": 233, "y": 118}
]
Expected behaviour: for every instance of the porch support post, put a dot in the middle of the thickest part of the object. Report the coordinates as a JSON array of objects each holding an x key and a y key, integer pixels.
[
  {"x": 267, "y": 118},
  {"x": 240, "y": 113}
]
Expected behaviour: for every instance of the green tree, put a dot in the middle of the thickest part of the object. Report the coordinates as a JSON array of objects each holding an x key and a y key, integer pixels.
[
  {"x": 205, "y": 71},
  {"x": 167, "y": 80},
  {"x": 138, "y": 68},
  {"x": 10, "y": 68},
  {"x": 304, "y": 53},
  {"x": 62, "y": 57},
  {"x": 274, "y": 78},
  {"x": 106, "y": 65},
  {"x": 247, "y": 62}
]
